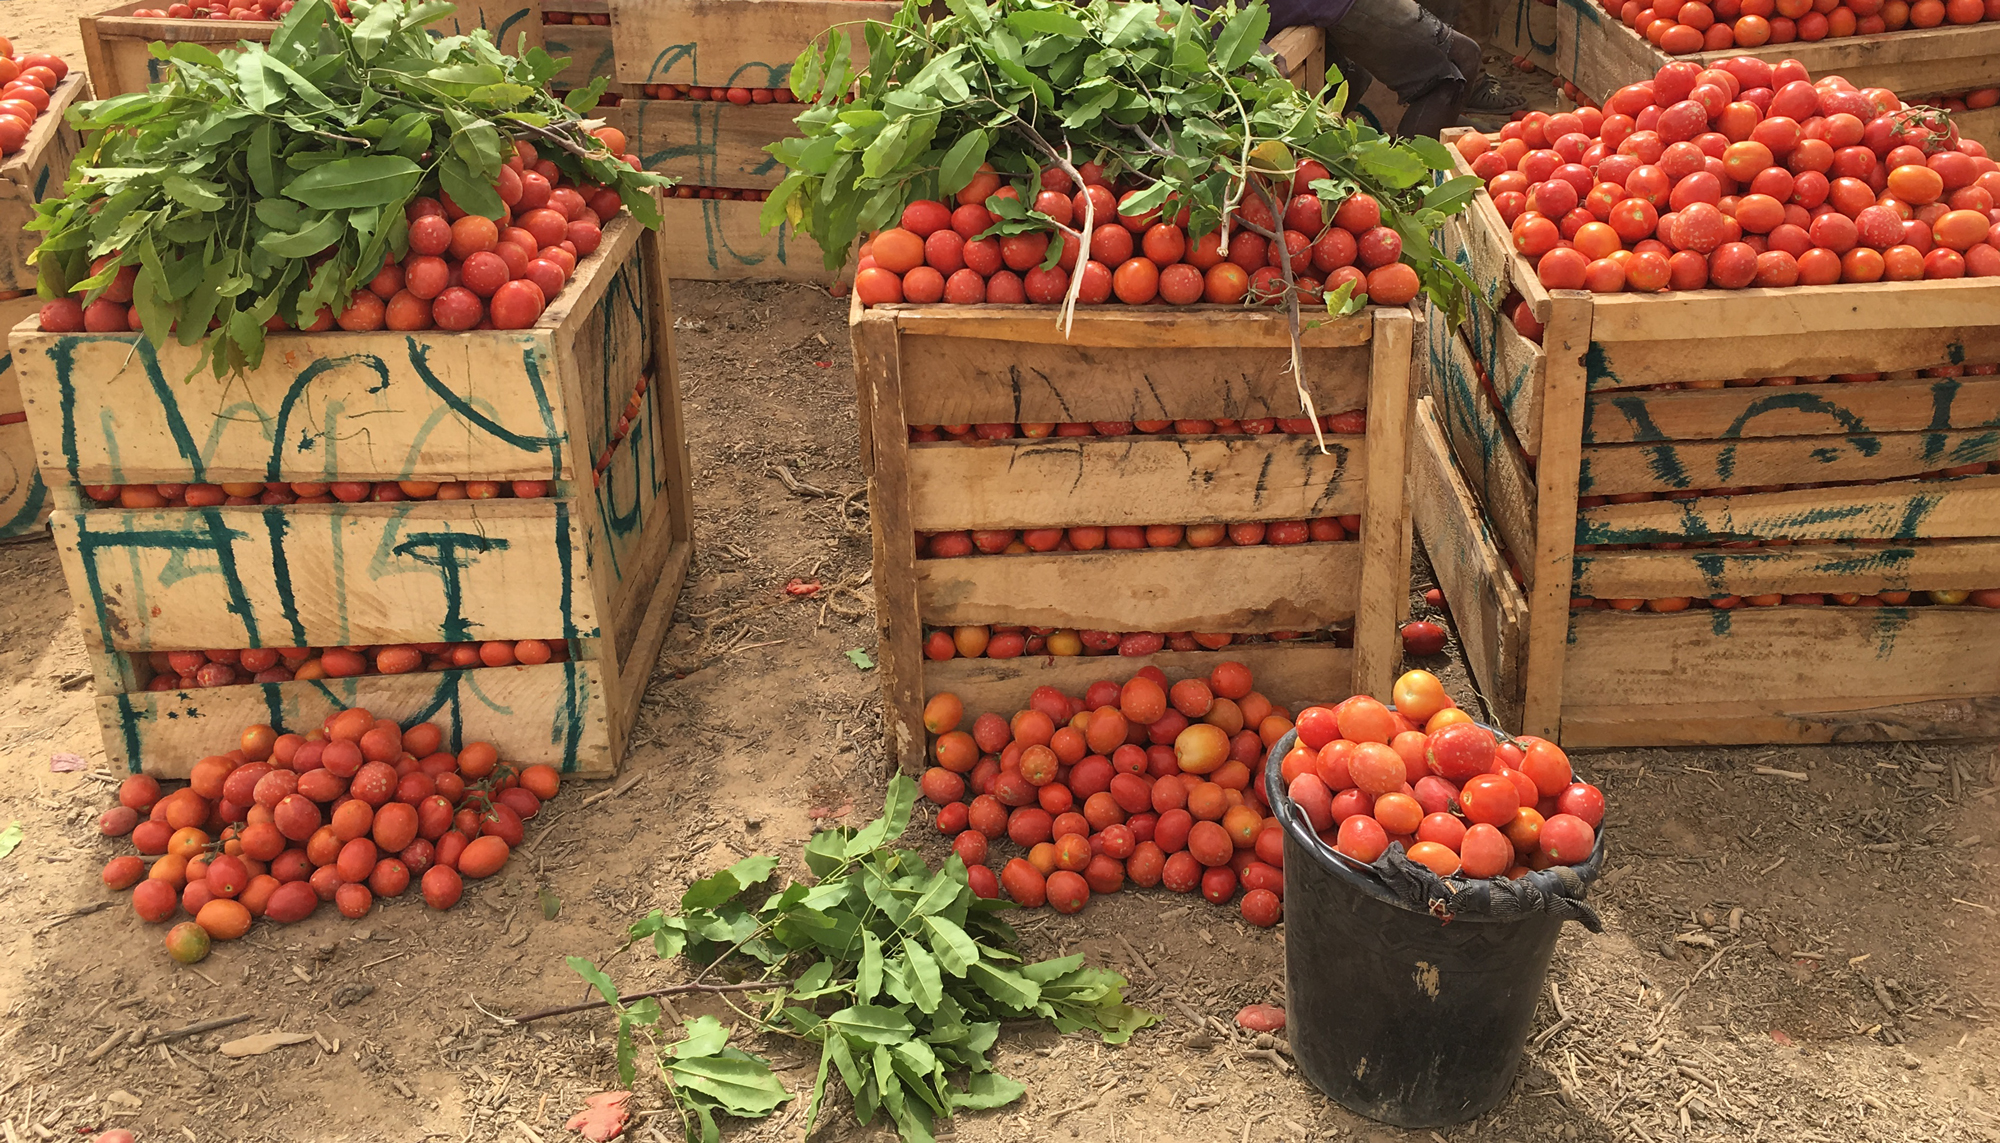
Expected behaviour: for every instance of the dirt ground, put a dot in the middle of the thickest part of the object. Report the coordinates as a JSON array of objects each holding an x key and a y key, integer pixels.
[{"x": 1799, "y": 943}]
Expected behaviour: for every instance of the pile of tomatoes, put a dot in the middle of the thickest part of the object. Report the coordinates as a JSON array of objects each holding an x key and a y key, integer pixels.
[
  {"x": 352, "y": 811},
  {"x": 1683, "y": 28},
  {"x": 26, "y": 84},
  {"x": 1744, "y": 174},
  {"x": 1153, "y": 782},
  {"x": 937, "y": 254},
  {"x": 1425, "y": 776},
  {"x": 1162, "y": 783},
  {"x": 462, "y": 271},
  {"x": 188, "y": 670}
]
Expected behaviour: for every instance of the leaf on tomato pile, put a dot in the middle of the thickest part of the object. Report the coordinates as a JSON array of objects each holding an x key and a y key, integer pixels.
[{"x": 272, "y": 179}]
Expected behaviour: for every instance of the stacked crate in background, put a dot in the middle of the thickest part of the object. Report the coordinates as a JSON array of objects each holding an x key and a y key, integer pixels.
[{"x": 27, "y": 176}]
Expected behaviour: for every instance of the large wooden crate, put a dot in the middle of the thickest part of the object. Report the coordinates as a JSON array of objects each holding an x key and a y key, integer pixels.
[
  {"x": 118, "y": 45},
  {"x": 598, "y": 563},
  {"x": 944, "y": 364},
  {"x": 1598, "y": 53},
  {"x": 1537, "y": 428}
]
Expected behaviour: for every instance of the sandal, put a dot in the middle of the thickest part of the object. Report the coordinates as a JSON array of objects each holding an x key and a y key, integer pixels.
[{"x": 1489, "y": 98}]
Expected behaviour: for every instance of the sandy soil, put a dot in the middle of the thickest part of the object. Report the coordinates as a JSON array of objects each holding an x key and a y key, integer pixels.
[{"x": 1785, "y": 958}]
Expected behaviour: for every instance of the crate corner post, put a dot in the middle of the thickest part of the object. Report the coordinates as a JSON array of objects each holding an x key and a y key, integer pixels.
[
  {"x": 1385, "y": 521},
  {"x": 899, "y": 651}
]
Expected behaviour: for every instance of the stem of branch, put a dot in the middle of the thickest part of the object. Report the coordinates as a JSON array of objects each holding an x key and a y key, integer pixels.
[
  {"x": 1067, "y": 316},
  {"x": 671, "y": 990},
  {"x": 1292, "y": 310}
]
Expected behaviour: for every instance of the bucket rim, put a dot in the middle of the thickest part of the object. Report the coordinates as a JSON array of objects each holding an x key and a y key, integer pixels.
[{"x": 1363, "y": 877}]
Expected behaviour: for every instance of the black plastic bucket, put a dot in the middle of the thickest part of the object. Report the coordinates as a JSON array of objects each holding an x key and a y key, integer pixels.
[{"x": 1393, "y": 1013}]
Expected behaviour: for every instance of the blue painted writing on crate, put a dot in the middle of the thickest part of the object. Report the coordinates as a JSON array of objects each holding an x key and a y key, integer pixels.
[
  {"x": 1524, "y": 31},
  {"x": 1582, "y": 10},
  {"x": 705, "y": 148},
  {"x": 1699, "y": 520},
  {"x": 752, "y": 74},
  {"x": 275, "y": 523},
  {"x": 24, "y": 521},
  {"x": 199, "y": 530},
  {"x": 62, "y": 357},
  {"x": 448, "y": 552},
  {"x": 531, "y": 365}
]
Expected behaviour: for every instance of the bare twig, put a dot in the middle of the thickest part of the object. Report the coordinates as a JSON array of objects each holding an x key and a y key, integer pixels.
[
  {"x": 1774, "y": 772},
  {"x": 196, "y": 1029},
  {"x": 672, "y": 990},
  {"x": 613, "y": 792}
]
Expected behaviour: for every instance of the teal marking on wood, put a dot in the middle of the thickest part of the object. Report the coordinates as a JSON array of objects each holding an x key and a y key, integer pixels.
[
  {"x": 276, "y": 521},
  {"x": 201, "y": 530},
  {"x": 450, "y": 553},
  {"x": 420, "y": 361},
  {"x": 24, "y": 521}
]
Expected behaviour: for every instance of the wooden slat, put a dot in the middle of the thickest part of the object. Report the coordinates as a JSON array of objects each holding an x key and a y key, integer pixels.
[
  {"x": 1704, "y": 315},
  {"x": 1301, "y": 52},
  {"x": 1566, "y": 338},
  {"x": 553, "y": 713},
  {"x": 587, "y": 47},
  {"x": 879, "y": 376},
  {"x": 1905, "y": 509},
  {"x": 717, "y": 240},
  {"x": 1305, "y": 587},
  {"x": 315, "y": 575},
  {"x": 1514, "y": 369},
  {"x": 1964, "y": 565},
  {"x": 1290, "y": 673},
  {"x": 710, "y": 144},
  {"x": 14, "y": 311},
  {"x": 1385, "y": 518},
  {"x": 602, "y": 336},
  {"x": 112, "y": 409},
  {"x": 728, "y": 43},
  {"x": 1494, "y": 468},
  {"x": 956, "y": 380},
  {"x": 1831, "y": 719},
  {"x": 1918, "y": 403},
  {"x": 1487, "y": 610},
  {"x": 1858, "y": 347},
  {"x": 33, "y": 173},
  {"x": 633, "y": 526},
  {"x": 24, "y": 499},
  {"x": 1064, "y": 481},
  {"x": 1782, "y": 656},
  {"x": 1129, "y": 327},
  {"x": 115, "y": 42},
  {"x": 1667, "y": 466}
]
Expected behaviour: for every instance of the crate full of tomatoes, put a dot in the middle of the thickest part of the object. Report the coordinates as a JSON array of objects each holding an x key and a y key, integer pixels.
[
  {"x": 1735, "y": 325},
  {"x": 447, "y": 480}
]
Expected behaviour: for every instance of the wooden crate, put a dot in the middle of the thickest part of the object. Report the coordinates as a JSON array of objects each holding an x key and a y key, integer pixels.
[
  {"x": 24, "y": 499},
  {"x": 117, "y": 45},
  {"x": 1526, "y": 29},
  {"x": 942, "y": 364},
  {"x": 34, "y": 173},
  {"x": 709, "y": 144},
  {"x": 598, "y": 563},
  {"x": 1535, "y": 427},
  {"x": 1598, "y": 53},
  {"x": 727, "y": 43}
]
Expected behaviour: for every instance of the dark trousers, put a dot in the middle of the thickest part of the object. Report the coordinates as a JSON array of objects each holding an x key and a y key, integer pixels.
[{"x": 1407, "y": 44}]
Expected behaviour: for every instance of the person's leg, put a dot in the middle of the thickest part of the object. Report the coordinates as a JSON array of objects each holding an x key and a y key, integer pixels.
[{"x": 1426, "y": 63}]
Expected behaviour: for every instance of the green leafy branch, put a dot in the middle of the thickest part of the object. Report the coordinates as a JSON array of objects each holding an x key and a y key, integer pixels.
[
  {"x": 1165, "y": 95},
  {"x": 900, "y": 974},
  {"x": 270, "y": 181}
]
